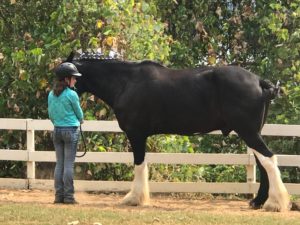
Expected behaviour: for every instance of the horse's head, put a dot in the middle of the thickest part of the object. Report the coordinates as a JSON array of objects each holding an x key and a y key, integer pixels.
[
  {"x": 88, "y": 64},
  {"x": 102, "y": 75}
]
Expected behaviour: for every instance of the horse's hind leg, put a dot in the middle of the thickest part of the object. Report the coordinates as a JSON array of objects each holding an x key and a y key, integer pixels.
[
  {"x": 139, "y": 193},
  {"x": 262, "y": 194},
  {"x": 278, "y": 197}
]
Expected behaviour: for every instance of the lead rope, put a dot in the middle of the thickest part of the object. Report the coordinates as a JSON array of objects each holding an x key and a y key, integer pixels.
[{"x": 84, "y": 144}]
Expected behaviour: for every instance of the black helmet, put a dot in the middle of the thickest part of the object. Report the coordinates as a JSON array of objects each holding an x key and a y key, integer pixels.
[{"x": 66, "y": 69}]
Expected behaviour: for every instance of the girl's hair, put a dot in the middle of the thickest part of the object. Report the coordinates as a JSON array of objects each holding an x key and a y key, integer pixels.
[{"x": 59, "y": 86}]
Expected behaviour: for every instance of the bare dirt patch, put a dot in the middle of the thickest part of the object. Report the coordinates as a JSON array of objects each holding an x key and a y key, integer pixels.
[{"x": 112, "y": 202}]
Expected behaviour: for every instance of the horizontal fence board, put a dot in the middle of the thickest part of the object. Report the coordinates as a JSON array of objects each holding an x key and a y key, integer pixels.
[
  {"x": 13, "y": 124},
  {"x": 281, "y": 130},
  {"x": 107, "y": 157},
  {"x": 12, "y": 183},
  {"x": 163, "y": 158},
  {"x": 198, "y": 158},
  {"x": 42, "y": 156},
  {"x": 113, "y": 126},
  {"x": 92, "y": 126},
  {"x": 13, "y": 155},
  {"x": 101, "y": 126},
  {"x": 155, "y": 187},
  {"x": 284, "y": 130},
  {"x": 164, "y": 187},
  {"x": 288, "y": 160},
  {"x": 293, "y": 189},
  {"x": 204, "y": 187},
  {"x": 40, "y": 125}
]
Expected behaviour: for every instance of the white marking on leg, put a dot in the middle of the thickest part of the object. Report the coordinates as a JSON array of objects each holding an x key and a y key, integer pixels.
[
  {"x": 139, "y": 193},
  {"x": 279, "y": 199}
]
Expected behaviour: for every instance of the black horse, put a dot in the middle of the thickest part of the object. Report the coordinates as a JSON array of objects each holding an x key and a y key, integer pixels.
[{"x": 148, "y": 99}]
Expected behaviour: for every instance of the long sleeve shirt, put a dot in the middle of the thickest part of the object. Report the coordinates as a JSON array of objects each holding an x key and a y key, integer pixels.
[{"x": 64, "y": 110}]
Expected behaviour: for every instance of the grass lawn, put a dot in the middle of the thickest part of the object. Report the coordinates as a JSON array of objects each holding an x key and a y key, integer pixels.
[{"x": 44, "y": 214}]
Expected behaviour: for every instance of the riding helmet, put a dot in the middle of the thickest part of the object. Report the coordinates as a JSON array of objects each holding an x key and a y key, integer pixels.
[{"x": 66, "y": 69}]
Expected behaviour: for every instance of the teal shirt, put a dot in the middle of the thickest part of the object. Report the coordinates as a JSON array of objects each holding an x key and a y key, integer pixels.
[{"x": 64, "y": 110}]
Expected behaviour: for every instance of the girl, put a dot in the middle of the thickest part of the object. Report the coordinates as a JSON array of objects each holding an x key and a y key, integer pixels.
[{"x": 66, "y": 115}]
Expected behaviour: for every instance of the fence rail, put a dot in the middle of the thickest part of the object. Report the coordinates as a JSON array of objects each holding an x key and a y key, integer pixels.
[{"x": 31, "y": 156}]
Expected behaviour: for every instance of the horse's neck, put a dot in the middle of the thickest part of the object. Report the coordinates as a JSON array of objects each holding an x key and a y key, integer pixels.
[{"x": 110, "y": 84}]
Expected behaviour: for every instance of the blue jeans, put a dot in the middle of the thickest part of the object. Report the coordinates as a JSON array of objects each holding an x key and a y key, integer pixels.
[{"x": 65, "y": 141}]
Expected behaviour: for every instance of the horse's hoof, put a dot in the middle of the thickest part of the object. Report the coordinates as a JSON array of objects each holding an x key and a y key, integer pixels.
[
  {"x": 275, "y": 206},
  {"x": 255, "y": 205},
  {"x": 130, "y": 201},
  {"x": 295, "y": 206},
  {"x": 134, "y": 200}
]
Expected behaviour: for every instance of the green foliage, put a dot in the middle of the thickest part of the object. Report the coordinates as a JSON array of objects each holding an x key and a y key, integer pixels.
[
  {"x": 258, "y": 35},
  {"x": 37, "y": 34},
  {"x": 10, "y": 169}
]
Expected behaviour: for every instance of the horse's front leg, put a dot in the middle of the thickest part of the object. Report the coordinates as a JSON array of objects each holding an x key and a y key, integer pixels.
[{"x": 139, "y": 193}]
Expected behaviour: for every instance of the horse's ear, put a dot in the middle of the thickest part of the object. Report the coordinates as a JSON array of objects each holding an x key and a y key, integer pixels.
[{"x": 70, "y": 57}]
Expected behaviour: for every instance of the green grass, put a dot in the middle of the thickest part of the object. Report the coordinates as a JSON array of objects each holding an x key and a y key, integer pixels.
[{"x": 45, "y": 214}]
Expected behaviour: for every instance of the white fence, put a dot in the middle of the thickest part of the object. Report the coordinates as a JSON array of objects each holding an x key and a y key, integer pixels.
[{"x": 31, "y": 156}]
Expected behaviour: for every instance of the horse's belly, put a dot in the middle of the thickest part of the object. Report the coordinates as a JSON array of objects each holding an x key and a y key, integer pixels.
[{"x": 186, "y": 126}]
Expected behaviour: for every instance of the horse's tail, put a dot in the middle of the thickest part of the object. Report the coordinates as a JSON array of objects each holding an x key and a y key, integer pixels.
[{"x": 270, "y": 92}]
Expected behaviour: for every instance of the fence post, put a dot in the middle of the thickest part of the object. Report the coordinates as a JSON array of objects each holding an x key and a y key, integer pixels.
[
  {"x": 251, "y": 170},
  {"x": 30, "y": 148}
]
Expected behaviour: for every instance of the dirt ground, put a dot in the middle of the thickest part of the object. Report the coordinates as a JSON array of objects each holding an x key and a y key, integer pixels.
[{"x": 158, "y": 202}]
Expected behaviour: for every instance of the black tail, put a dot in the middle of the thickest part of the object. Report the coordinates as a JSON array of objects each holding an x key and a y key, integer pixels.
[{"x": 270, "y": 91}]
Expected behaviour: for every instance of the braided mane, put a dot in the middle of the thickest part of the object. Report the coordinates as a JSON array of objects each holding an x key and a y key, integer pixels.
[{"x": 89, "y": 56}]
